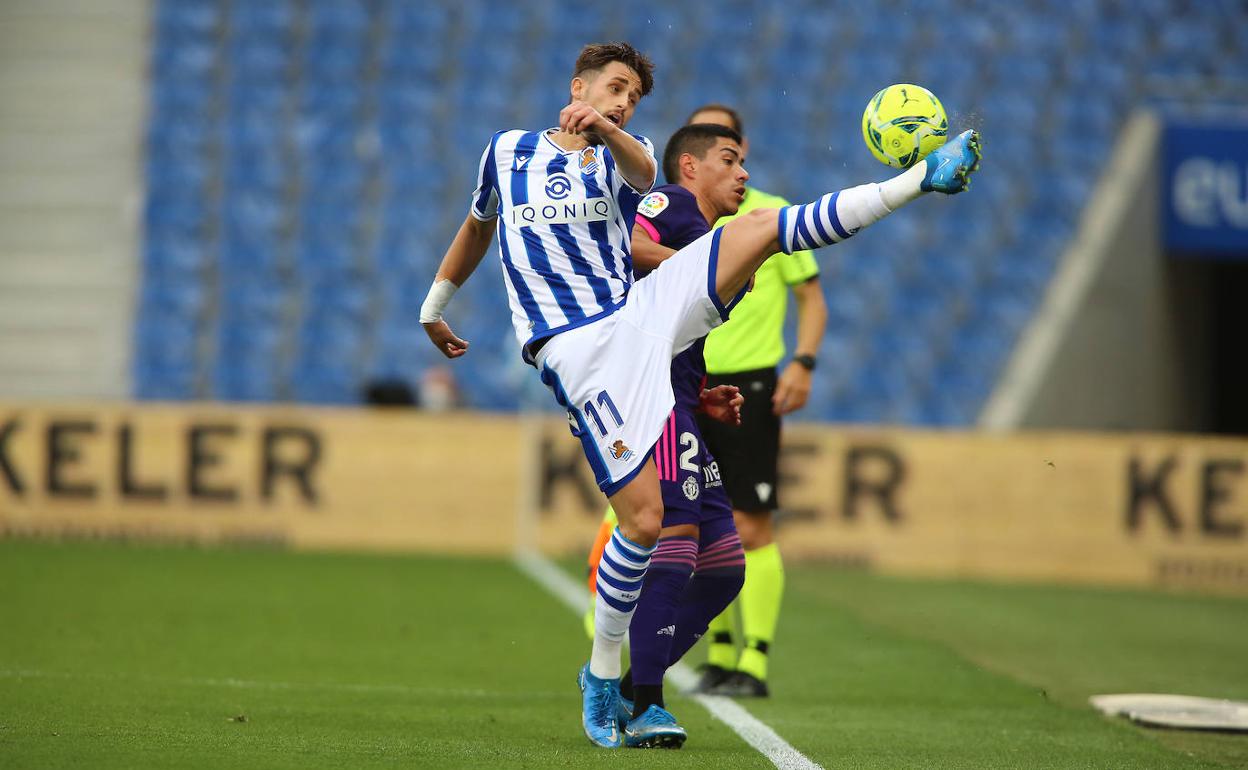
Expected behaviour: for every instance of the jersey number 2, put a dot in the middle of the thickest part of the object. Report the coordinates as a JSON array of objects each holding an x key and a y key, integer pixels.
[{"x": 690, "y": 443}]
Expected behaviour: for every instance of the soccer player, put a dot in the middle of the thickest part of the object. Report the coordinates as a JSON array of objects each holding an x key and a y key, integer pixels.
[
  {"x": 566, "y": 198},
  {"x": 698, "y": 565},
  {"x": 745, "y": 352}
]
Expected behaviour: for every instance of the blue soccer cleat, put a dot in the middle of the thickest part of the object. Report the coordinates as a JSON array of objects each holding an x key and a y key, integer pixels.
[
  {"x": 655, "y": 729},
  {"x": 599, "y": 704},
  {"x": 949, "y": 168},
  {"x": 623, "y": 711}
]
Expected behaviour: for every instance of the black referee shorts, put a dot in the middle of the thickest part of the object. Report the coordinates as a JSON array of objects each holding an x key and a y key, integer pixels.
[{"x": 747, "y": 454}]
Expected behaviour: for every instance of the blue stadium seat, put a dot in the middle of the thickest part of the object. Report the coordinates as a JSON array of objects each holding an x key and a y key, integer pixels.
[
  {"x": 340, "y": 16},
  {"x": 245, "y": 380},
  {"x": 252, "y": 301},
  {"x": 168, "y": 339},
  {"x": 248, "y": 366},
  {"x": 327, "y": 386},
  {"x": 272, "y": 18},
  {"x": 167, "y": 257}
]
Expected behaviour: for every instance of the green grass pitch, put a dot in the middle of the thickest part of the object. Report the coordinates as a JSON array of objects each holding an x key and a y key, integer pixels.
[{"x": 127, "y": 656}]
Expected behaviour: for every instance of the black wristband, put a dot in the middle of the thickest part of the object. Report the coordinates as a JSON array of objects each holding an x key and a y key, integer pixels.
[{"x": 806, "y": 361}]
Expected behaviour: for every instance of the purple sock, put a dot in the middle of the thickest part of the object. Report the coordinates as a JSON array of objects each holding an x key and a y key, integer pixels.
[
  {"x": 654, "y": 622},
  {"x": 719, "y": 575}
]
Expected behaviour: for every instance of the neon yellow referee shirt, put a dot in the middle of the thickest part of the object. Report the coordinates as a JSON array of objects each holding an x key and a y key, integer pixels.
[{"x": 753, "y": 338}]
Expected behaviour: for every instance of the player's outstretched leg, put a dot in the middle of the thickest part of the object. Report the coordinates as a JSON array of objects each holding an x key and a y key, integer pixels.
[{"x": 746, "y": 242}]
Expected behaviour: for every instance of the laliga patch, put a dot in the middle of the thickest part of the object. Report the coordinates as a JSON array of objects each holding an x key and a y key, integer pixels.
[
  {"x": 589, "y": 161},
  {"x": 652, "y": 205}
]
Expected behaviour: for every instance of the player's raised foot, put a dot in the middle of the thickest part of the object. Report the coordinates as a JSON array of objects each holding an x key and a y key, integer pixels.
[
  {"x": 950, "y": 167},
  {"x": 654, "y": 729},
  {"x": 599, "y": 703},
  {"x": 712, "y": 677},
  {"x": 742, "y": 685}
]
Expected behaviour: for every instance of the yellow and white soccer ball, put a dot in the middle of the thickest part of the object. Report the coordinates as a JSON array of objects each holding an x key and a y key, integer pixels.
[{"x": 903, "y": 123}]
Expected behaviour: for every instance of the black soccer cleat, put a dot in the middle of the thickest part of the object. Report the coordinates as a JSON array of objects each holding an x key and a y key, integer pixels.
[
  {"x": 741, "y": 685},
  {"x": 712, "y": 677}
]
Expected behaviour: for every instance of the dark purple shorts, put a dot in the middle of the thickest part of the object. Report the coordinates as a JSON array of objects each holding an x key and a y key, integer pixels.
[{"x": 693, "y": 492}]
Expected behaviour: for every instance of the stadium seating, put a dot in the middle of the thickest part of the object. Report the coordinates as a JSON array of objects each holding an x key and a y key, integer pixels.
[{"x": 308, "y": 161}]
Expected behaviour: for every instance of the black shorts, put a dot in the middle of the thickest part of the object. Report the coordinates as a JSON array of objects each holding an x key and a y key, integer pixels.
[{"x": 748, "y": 454}]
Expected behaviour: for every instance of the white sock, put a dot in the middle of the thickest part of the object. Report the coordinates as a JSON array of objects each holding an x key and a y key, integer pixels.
[
  {"x": 620, "y": 574},
  {"x": 904, "y": 187},
  {"x": 839, "y": 215}
]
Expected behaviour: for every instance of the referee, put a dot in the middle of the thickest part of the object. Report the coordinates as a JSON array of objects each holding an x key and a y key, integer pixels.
[{"x": 745, "y": 352}]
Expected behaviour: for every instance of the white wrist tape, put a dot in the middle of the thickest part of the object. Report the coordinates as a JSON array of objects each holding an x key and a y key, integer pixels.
[{"x": 440, "y": 294}]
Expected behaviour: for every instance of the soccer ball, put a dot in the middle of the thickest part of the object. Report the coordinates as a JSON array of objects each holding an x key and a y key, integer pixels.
[{"x": 903, "y": 123}]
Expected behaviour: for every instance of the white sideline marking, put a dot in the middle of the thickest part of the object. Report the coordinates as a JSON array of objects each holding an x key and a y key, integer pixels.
[{"x": 754, "y": 732}]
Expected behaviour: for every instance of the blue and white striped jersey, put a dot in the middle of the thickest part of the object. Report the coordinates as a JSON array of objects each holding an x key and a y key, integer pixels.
[{"x": 566, "y": 222}]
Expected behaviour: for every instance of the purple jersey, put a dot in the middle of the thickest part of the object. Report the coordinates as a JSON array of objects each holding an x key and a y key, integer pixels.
[{"x": 671, "y": 217}]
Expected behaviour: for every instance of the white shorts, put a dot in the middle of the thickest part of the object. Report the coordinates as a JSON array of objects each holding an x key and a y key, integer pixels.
[{"x": 614, "y": 374}]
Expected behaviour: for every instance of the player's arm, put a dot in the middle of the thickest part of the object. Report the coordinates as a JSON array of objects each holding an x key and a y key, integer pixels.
[
  {"x": 632, "y": 159},
  {"x": 647, "y": 254},
  {"x": 793, "y": 385},
  {"x": 459, "y": 262}
]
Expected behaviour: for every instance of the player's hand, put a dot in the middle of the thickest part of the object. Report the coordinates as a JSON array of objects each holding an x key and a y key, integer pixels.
[
  {"x": 445, "y": 340},
  {"x": 580, "y": 118},
  {"x": 792, "y": 389},
  {"x": 723, "y": 403}
]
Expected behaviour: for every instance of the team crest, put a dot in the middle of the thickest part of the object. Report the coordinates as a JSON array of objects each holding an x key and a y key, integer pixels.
[
  {"x": 620, "y": 451},
  {"x": 690, "y": 488},
  {"x": 652, "y": 205},
  {"x": 589, "y": 161}
]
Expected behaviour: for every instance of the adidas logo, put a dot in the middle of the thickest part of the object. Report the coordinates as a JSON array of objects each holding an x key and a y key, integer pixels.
[{"x": 668, "y": 630}]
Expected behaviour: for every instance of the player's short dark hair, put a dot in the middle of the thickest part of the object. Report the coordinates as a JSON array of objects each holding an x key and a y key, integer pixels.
[
  {"x": 695, "y": 139},
  {"x": 595, "y": 56},
  {"x": 732, "y": 114}
]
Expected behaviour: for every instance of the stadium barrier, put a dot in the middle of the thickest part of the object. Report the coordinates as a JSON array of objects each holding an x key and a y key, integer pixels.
[
  {"x": 307, "y": 478},
  {"x": 1120, "y": 509}
]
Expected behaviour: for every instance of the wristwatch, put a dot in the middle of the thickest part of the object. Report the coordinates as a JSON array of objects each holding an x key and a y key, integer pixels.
[{"x": 807, "y": 361}]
